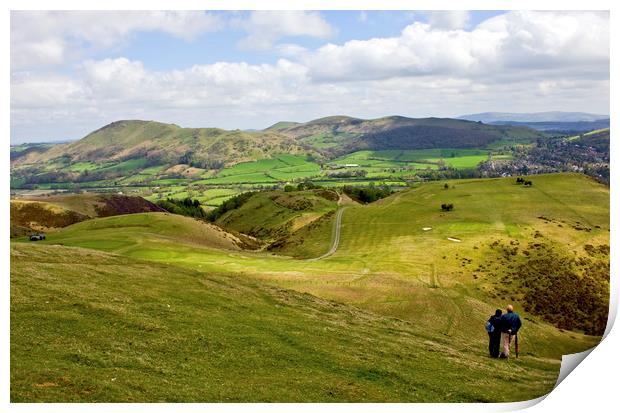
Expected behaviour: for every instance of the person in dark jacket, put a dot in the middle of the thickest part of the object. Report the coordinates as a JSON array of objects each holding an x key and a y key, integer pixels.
[
  {"x": 510, "y": 324},
  {"x": 495, "y": 333}
]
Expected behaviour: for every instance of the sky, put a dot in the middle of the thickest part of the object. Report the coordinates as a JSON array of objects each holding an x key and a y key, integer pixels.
[{"x": 74, "y": 72}]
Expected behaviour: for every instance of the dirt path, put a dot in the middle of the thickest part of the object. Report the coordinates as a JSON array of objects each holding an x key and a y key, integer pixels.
[{"x": 336, "y": 240}]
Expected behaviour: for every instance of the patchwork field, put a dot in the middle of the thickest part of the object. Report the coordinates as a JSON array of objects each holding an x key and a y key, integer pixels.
[
  {"x": 386, "y": 264},
  {"x": 397, "y": 168}
]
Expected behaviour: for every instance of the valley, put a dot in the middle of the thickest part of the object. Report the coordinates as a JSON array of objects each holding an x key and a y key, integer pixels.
[{"x": 339, "y": 259}]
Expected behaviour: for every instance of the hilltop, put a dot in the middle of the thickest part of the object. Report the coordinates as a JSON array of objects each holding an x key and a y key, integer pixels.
[{"x": 161, "y": 143}]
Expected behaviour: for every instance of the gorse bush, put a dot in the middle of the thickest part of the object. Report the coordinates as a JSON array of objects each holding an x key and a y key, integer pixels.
[{"x": 367, "y": 194}]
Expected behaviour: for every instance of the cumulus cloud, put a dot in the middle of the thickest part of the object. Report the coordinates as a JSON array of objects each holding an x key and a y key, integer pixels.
[
  {"x": 515, "y": 40},
  {"x": 51, "y": 37},
  {"x": 264, "y": 28},
  {"x": 518, "y": 61},
  {"x": 450, "y": 19}
]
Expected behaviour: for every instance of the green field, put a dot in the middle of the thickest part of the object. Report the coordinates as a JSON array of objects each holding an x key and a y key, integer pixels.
[
  {"x": 399, "y": 167},
  {"x": 284, "y": 168},
  {"x": 416, "y": 159},
  {"x": 386, "y": 265}
]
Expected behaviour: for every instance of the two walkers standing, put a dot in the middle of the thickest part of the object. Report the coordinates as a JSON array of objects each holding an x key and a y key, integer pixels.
[{"x": 502, "y": 328}]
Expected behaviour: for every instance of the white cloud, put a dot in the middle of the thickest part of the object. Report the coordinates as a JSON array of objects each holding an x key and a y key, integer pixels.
[
  {"x": 51, "y": 37},
  {"x": 264, "y": 28},
  {"x": 519, "y": 61},
  {"x": 448, "y": 19},
  {"x": 525, "y": 41}
]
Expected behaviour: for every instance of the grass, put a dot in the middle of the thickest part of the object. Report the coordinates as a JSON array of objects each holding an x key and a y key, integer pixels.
[
  {"x": 152, "y": 332},
  {"x": 387, "y": 265},
  {"x": 416, "y": 159},
  {"x": 279, "y": 213},
  {"x": 283, "y": 168}
]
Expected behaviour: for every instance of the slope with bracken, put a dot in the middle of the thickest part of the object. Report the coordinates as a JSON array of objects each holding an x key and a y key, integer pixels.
[{"x": 44, "y": 213}]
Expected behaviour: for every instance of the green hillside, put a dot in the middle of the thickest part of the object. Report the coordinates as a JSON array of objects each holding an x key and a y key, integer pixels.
[
  {"x": 167, "y": 143},
  {"x": 342, "y": 134},
  {"x": 87, "y": 326},
  {"x": 441, "y": 273},
  {"x": 130, "y": 153},
  {"x": 271, "y": 216},
  {"x": 119, "y": 148}
]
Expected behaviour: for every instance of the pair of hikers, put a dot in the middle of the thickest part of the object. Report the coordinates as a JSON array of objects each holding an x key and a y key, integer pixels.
[{"x": 502, "y": 328}]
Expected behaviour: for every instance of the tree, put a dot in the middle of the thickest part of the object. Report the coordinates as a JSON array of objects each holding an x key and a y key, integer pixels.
[
  {"x": 447, "y": 207},
  {"x": 289, "y": 188}
]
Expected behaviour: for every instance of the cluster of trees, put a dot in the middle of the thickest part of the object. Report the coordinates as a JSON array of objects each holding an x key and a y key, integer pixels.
[
  {"x": 447, "y": 207},
  {"x": 302, "y": 186},
  {"x": 191, "y": 159},
  {"x": 228, "y": 205},
  {"x": 367, "y": 194},
  {"x": 188, "y": 207},
  {"x": 359, "y": 173},
  {"x": 447, "y": 173}
]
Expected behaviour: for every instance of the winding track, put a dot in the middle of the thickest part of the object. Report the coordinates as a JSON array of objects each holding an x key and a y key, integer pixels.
[{"x": 334, "y": 246}]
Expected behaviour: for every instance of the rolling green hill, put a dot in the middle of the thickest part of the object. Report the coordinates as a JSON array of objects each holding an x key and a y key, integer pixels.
[
  {"x": 343, "y": 134},
  {"x": 275, "y": 215},
  {"x": 88, "y": 326},
  {"x": 137, "y": 147},
  {"x": 543, "y": 248},
  {"x": 136, "y": 152},
  {"x": 162, "y": 143}
]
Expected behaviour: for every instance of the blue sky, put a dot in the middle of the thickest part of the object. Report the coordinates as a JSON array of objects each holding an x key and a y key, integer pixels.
[
  {"x": 160, "y": 51},
  {"x": 73, "y": 72}
]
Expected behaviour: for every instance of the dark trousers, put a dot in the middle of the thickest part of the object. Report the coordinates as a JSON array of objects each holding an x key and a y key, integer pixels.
[{"x": 494, "y": 341}]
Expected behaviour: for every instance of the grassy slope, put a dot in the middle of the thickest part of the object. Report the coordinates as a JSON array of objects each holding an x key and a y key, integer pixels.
[
  {"x": 139, "y": 139},
  {"x": 27, "y": 216},
  {"x": 388, "y": 265},
  {"x": 157, "y": 228},
  {"x": 87, "y": 326},
  {"x": 360, "y": 132},
  {"x": 270, "y": 216}
]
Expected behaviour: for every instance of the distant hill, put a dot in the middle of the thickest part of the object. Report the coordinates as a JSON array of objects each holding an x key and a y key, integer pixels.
[
  {"x": 557, "y": 116},
  {"x": 565, "y": 127},
  {"x": 343, "y": 134},
  {"x": 161, "y": 143},
  {"x": 146, "y": 148}
]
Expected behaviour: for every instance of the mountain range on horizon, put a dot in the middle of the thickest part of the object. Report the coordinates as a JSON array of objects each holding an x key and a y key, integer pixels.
[
  {"x": 326, "y": 137},
  {"x": 551, "y": 116},
  {"x": 542, "y": 121}
]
